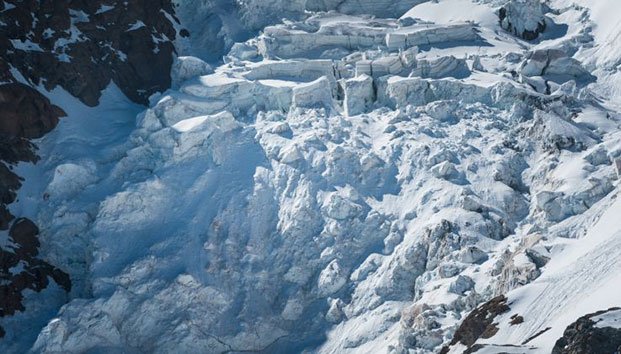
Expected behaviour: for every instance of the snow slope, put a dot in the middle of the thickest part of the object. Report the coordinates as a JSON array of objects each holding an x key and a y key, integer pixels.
[{"x": 340, "y": 184}]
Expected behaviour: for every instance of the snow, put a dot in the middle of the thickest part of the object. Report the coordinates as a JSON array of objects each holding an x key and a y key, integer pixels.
[
  {"x": 103, "y": 8},
  {"x": 338, "y": 184},
  {"x": 26, "y": 45},
  {"x": 451, "y": 11},
  {"x": 579, "y": 280},
  {"x": 136, "y": 25},
  {"x": 608, "y": 319}
]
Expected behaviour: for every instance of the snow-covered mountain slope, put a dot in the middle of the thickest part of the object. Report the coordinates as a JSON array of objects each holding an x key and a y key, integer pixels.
[
  {"x": 582, "y": 278},
  {"x": 342, "y": 183}
]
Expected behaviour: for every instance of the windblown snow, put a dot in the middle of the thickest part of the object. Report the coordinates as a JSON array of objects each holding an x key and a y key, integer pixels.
[{"x": 349, "y": 181}]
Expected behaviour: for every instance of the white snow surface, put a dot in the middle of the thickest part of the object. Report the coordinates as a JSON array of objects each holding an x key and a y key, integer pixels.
[{"x": 342, "y": 183}]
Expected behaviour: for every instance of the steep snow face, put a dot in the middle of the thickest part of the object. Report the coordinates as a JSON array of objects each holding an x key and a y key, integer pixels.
[{"x": 341, "y": 184}]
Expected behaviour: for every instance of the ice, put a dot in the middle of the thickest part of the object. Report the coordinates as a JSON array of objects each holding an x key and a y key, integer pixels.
[
  {"x": 186, "y": 67},
  {"x": 341, "y": 183},
  {"x": 317, "y": 93},
  {"x": 524, "y": 18},
  {"x": 359, "y": 95}
]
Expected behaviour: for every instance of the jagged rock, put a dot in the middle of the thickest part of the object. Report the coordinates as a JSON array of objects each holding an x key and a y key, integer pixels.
[
  {"x": 25, "y": 113},
  {"x": 479, "y": 323},
  {"x": 588, "y": 336},
  {"x": 20, "y": 269},
  {"x": 523, "y": 18},
  {"x": 80, "y": 48}
]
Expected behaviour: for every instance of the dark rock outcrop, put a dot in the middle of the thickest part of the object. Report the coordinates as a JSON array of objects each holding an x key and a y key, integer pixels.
[
  {"x": 24, "y": 114},
  {"x": 82, "y": 45},
  {"x": 583, "y": 337},
  {"x": 479, "y": 323},
  {"x": 33, "y": 273}
]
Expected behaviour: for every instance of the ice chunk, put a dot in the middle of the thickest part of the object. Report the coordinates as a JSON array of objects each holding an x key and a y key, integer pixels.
[
  {"x": 472, "y": 254},
  {"x": 523, "y": 18},
  {"x": 187, "y": 67},
  {"x": 331, "y": 279},
  {"x": 359, "y": 94},
  {"x": 224, "y": 121},
  {"x": 314, "y": 94},
  {"x": 554, "y": 65},
  {"x": 462, "y": 284},
  {"x": 71, "y": 178}
]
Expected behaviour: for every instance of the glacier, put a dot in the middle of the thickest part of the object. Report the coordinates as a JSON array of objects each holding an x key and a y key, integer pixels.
[{"x": 350, "y": 177}]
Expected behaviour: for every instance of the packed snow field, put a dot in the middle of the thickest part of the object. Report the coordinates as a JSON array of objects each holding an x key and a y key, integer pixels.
[{"x": 352, "y": 181}]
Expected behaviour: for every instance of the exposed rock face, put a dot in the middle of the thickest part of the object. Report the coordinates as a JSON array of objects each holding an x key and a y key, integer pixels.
[
  {"x": 480, "y": 323},
  {"x": 24, "y": 114},
  {"x": 523, "y": 18},
  {"x": 33, "y": 274},
  {"x": 83, "y": 45},
  {"x": 589, "y": 336},
  {"x": 80, "y": 46}
]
